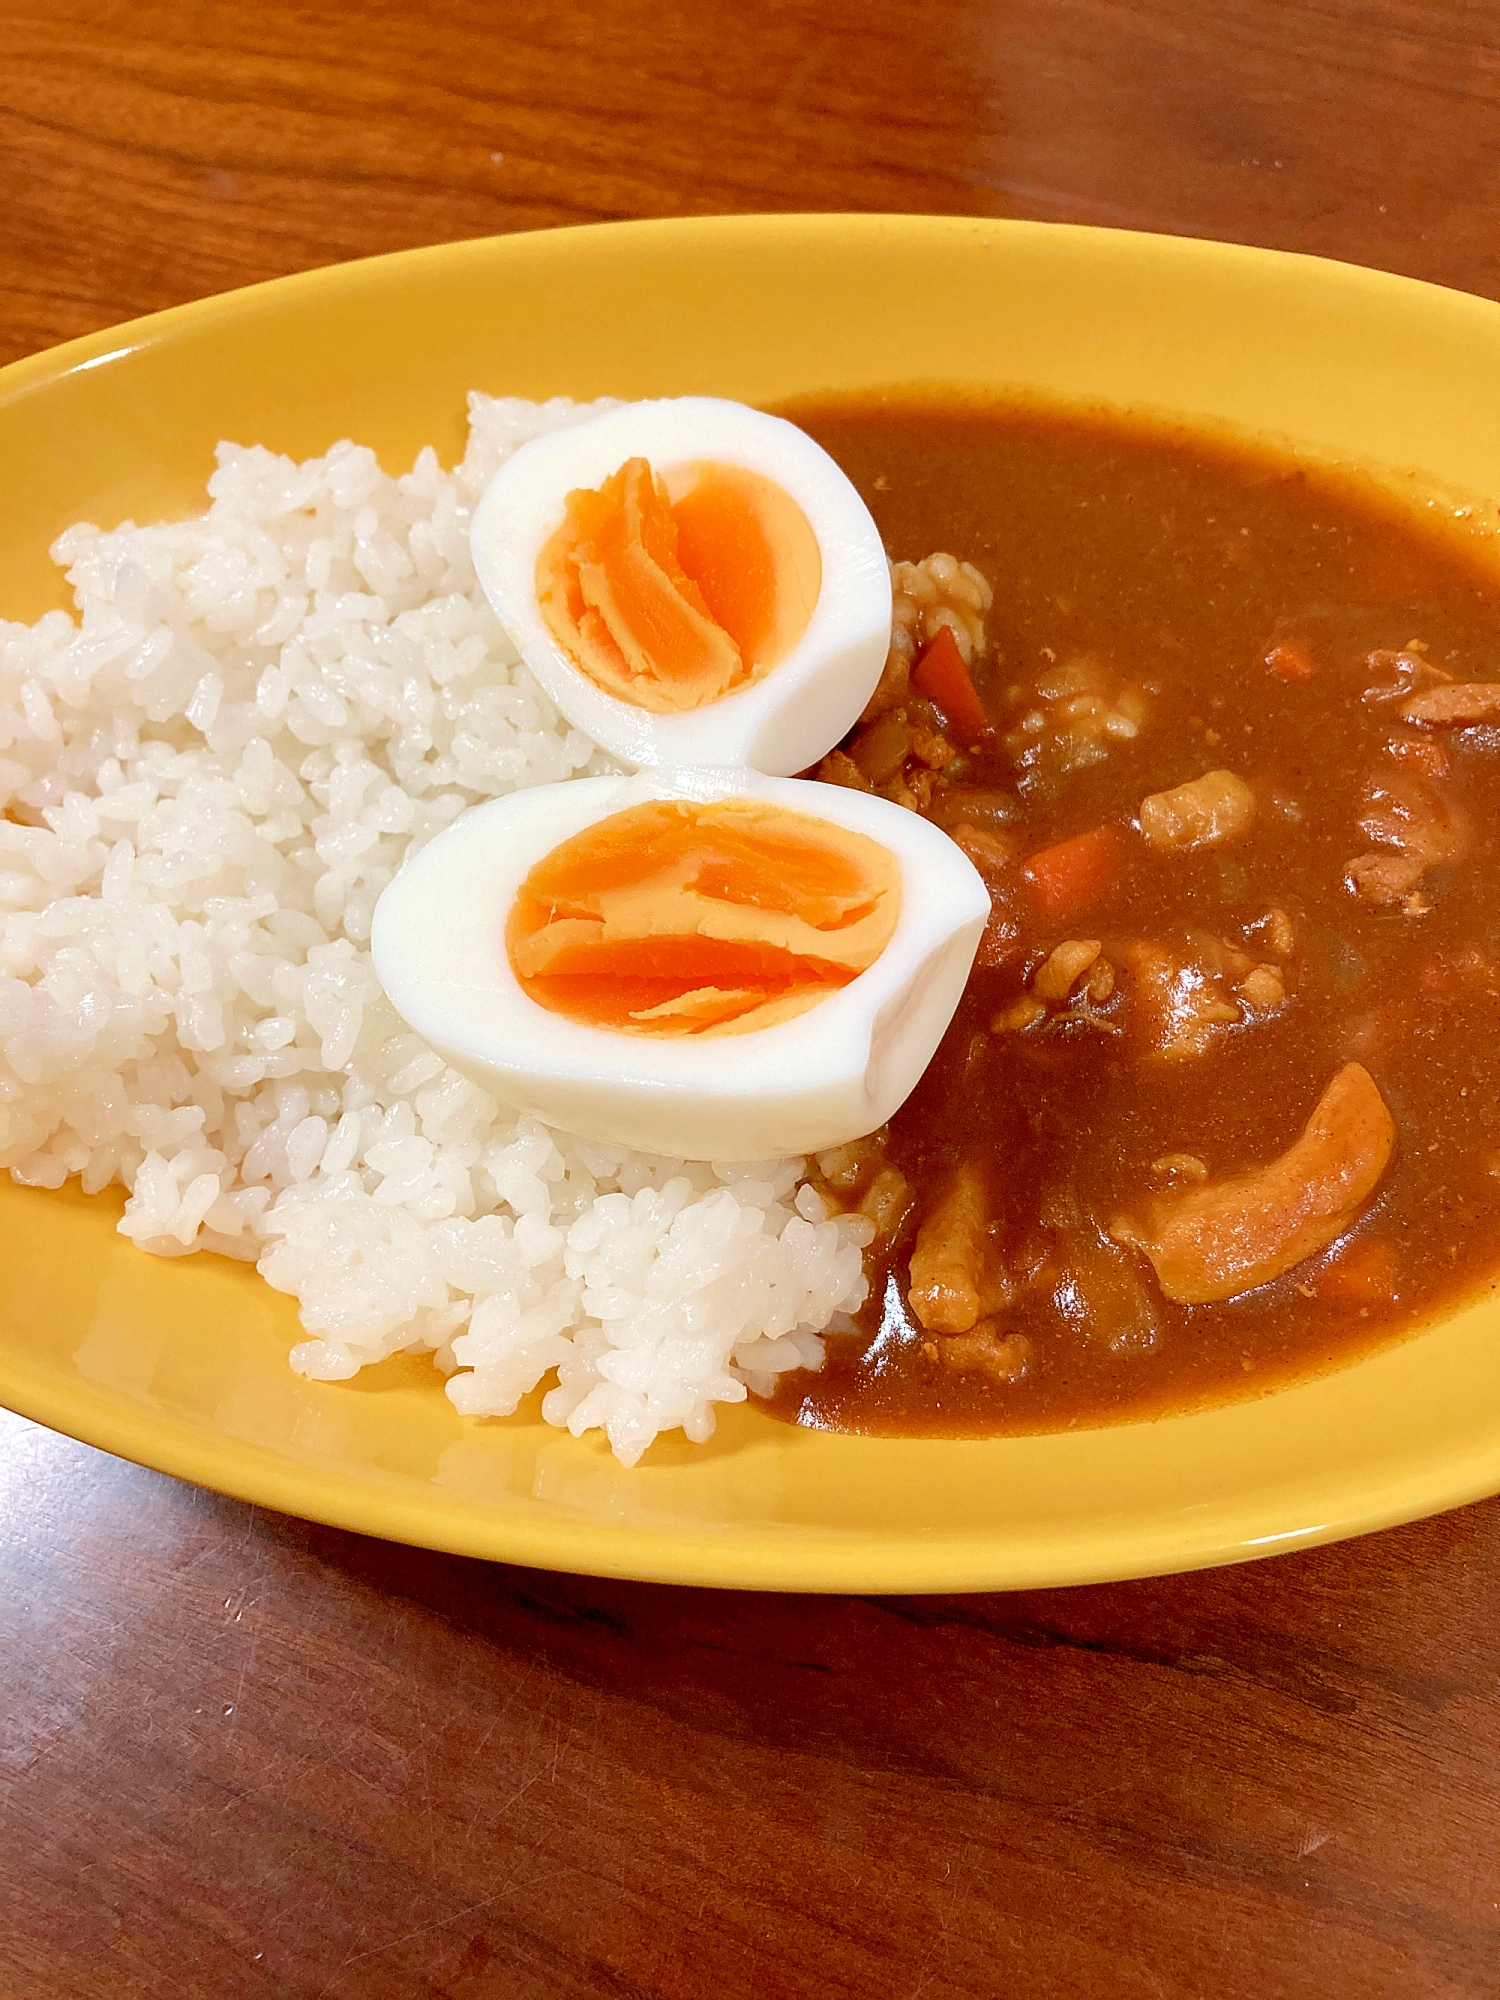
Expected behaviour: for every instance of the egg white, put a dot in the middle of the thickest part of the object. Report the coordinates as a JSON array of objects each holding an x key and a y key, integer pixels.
[
  {"x": 829, "y": 1075},
  {"x": 796, "y": 711}
]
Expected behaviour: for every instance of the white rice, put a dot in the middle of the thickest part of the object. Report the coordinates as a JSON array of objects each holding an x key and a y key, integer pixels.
[{"x": 208, "y": 780}]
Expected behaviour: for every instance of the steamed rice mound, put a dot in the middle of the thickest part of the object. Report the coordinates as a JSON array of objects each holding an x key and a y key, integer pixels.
[{"x": 208, "y": 779}]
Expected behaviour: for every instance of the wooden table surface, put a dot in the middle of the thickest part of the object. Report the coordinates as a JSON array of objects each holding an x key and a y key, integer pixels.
[{"x": 240, "y": 1755}]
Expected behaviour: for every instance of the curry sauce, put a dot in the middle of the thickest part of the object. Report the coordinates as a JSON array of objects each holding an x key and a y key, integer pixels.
[{"x": 1233, "y": 781}]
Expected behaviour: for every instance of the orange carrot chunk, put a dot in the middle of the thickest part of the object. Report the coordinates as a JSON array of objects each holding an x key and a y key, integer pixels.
[
  {"x": 1363, "y": 1273},
  {"x": 1075, "y": 874},
  {"x": 1290, "y": 662},
  {"x": 941, "y": 675}
]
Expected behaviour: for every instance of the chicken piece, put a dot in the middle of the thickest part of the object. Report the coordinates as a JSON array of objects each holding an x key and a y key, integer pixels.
[
  {"x": 1018, "y": 1016},
  {"x": 1183, "y": 995},
  {"x": 956, "y": 1276},
  {"x": 1068, "y": 988},
  {"x": 912, "y": 790},
  {"x": 1399, "y": 675},
  {"x": 1180, "y": 996},
  {"x": 1404, "y": 814},
  {"x": 932, "y": 748},
  {"x": 1263, "y": 988},
  {"x": 1101, "y": 983},
  {"x": 1421, "y": 753},
  {"x": 1065, "y": 966},
  {"x": 1387, "y": 879},
  {"x": 850, "y": 1168},
  {"x": 1402, "y": 810},
  {"x": 1454, "y": 706},
  {"x": 991, "y": 853},
  {"x": 1228, "y": 1237},
  {"x": 1004, "y": 1357},
  {"x": 887, "y": 1202},
  {"x": 1216, "y": 807},
  {"x": 1275, "y": 932}
]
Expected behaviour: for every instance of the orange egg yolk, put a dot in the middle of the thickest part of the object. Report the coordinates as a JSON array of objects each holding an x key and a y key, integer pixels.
[
  {"x": 681, "y": 919},
  {"x": 670, "y": 593}
]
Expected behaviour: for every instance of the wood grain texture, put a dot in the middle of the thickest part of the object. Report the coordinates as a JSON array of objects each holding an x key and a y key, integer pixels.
[
  {"x": 244, "y": 1756},
  {"x": 156, "y": 152}
]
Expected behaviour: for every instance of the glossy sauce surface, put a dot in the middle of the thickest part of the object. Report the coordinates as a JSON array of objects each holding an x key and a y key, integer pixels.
[{"x": 1245, "y": 616}]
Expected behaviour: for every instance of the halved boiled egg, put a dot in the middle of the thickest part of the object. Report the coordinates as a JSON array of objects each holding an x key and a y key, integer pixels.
[
  {"x": 691, "y": 581},
  {"x": 706, "y": 962}
]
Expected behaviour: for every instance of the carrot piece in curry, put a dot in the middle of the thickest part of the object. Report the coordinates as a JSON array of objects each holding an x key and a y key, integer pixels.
[
  {"x": 1290, "y": 662},
  {"x": 1075, "y": 874},
  {"x": 1362, "y": 1273},
  {"x": 942, "y": 676}
]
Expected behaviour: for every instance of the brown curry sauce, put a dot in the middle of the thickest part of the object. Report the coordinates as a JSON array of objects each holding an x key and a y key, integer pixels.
[{"x": 1173, "y": 564}]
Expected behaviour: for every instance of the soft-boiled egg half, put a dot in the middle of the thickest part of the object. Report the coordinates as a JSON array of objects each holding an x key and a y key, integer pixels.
[
  {"x": 706, "y": 962},
  {"x": 691, "y": 581}
]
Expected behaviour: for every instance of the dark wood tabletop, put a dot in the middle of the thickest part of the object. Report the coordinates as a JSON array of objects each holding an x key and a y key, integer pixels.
[{"x": 245, "y": 1756}]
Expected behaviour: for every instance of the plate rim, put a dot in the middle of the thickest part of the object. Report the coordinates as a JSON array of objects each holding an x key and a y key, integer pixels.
[
  {"x": 759, "y": 1558},
  {"x": 792, "y": 1558},
  {"x": 21, "y": 376}
]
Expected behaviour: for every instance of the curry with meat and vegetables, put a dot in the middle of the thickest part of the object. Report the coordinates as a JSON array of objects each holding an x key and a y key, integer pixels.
[{"x": 1221, "y": 1105}]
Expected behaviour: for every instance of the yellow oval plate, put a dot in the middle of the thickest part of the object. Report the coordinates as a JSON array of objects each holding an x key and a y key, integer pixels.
[{"x": 183, "y": 1365}]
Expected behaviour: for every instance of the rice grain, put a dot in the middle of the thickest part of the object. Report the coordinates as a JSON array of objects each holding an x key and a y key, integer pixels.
[{"x": 208, "y": 778}]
